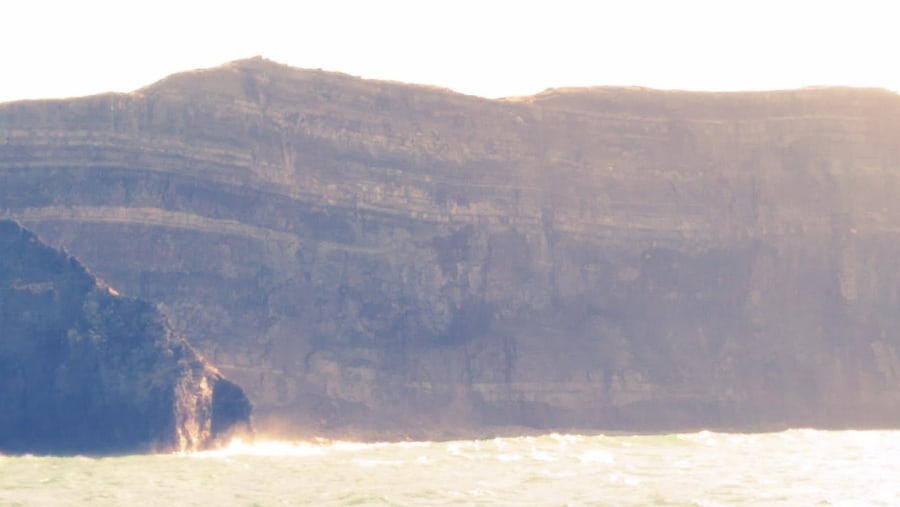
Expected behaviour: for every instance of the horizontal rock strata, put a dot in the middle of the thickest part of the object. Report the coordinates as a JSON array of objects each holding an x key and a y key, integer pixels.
[{"x": 387, "y": 258}]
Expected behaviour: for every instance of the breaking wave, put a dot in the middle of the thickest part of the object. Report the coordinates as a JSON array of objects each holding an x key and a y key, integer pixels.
[{"x": 796, "y": 467}]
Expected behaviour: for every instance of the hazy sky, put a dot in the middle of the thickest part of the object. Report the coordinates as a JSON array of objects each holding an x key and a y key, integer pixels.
[{"x": 489, "y": 48}]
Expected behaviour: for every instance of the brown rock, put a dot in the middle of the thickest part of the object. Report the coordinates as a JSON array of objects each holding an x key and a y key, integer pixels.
[{"x": 392, "y": 259}]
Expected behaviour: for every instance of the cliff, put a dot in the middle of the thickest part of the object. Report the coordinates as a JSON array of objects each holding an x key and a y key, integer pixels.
[
  {"x": 85, "y": 370},
  {"x": 386, "y": 258}
]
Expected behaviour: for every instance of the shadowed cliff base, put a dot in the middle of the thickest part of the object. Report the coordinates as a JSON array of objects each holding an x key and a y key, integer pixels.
[
  {"x": 381, "y": 258},
  {"x": 85, "y": 370}
]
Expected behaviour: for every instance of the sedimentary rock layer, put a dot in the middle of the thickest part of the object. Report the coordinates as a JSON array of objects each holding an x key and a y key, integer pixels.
[
  {"x": 85, "y": 370},
  {"x": 396, "y": 258}
]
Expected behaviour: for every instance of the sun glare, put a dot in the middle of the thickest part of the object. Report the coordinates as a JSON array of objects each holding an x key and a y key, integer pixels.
[{"x": 493, "y": 49}]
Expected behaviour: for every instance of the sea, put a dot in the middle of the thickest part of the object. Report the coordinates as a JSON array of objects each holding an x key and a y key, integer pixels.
[{"x": 799, "y": 467}]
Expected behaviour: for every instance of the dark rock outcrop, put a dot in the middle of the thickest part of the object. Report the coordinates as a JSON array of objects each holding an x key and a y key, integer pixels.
[
  {"x": 85, "y": 370},
  {"x": 394, "y": 258}
]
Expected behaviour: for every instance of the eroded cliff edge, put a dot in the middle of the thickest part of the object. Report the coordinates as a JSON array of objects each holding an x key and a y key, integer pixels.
[
  {"x": 85, "y": 370},
  {"x": 398, "y": 258}
]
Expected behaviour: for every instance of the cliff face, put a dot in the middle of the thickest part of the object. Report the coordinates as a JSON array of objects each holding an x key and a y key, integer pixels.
[
  {"x": 396, "y": 258},
  {"x": 85, "y": 370}
]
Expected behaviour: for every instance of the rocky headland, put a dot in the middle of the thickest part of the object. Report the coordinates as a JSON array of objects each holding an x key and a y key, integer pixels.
[
  {"x": 85, "y": 370},
  {"x": 369, "y": 258}
]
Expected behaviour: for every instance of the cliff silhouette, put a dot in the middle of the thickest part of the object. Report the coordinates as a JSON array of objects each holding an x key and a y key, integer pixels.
[{"x": 85, "y": 370}]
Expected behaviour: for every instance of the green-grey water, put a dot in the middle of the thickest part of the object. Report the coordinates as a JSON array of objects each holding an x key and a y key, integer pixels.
[{"x": 791, "y": 468}]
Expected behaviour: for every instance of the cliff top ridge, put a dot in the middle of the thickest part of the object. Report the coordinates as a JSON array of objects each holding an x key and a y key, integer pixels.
[{"x": 248, "y": 76}]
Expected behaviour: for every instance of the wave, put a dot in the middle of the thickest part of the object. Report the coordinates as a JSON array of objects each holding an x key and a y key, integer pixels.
[
  {"x": 314, "y": 447},
  {"x": 793, "y": 467},
  {"x": 596, "y": 449}
]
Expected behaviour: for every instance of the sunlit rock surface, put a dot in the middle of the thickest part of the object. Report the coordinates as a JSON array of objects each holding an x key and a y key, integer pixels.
[
  {"x": 84, "y": 370},
  {"x": 377, "y": 258}
]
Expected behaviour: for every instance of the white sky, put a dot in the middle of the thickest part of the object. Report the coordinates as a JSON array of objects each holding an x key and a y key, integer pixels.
[{"x": 489, "y": 47}]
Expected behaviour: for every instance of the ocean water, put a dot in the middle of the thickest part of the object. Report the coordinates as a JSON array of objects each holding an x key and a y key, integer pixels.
[{"x": 791, "y": 468}]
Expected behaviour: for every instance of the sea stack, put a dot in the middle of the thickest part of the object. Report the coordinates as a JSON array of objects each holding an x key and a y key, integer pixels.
[{"x": 86, "y": 370}]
